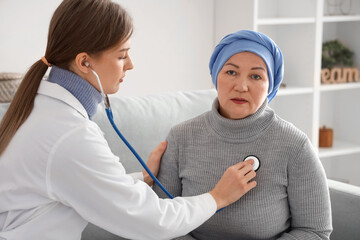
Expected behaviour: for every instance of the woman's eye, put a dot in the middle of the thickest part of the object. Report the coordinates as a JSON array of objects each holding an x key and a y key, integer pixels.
[
  {"x": 255, "y": 76},
  {"x": 231, "y": 73},
  {"x": 124, "y": 55}
]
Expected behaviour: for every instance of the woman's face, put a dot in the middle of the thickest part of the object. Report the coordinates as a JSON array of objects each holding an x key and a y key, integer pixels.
[
  {"x": 111, "y": 66},
  {"x": 242, "y": 85}
]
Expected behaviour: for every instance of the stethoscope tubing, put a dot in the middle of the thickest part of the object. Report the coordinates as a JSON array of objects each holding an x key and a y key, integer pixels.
[{"x": 111, "y": 119}]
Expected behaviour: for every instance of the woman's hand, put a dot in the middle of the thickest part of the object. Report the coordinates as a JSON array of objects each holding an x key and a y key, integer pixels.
[
  {"x": 154, "y": 162},
  {"x": 235, "y": 182}
]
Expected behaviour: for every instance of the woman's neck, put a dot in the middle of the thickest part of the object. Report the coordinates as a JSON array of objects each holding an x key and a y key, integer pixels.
[
  {"x": 241, "y": 129},
  {"x": 87, "y": 95}
]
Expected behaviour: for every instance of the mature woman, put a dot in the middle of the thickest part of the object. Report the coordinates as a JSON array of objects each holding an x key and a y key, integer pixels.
[{"x": 291, "y": 199}]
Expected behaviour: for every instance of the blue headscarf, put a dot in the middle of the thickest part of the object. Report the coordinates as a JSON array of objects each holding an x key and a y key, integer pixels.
[{"x": 250, "y": 41}]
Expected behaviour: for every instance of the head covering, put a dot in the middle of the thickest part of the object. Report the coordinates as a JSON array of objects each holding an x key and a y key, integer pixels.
[{"x": 250, "y": 41}]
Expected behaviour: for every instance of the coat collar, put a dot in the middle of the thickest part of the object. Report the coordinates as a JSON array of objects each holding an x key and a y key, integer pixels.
[
  {"x": 87, "y": 94},
  {"x": 54, "y": 90}
]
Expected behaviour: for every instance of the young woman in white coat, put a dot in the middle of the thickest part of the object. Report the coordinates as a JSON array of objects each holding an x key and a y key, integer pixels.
[{"x": 57, "y": 172}]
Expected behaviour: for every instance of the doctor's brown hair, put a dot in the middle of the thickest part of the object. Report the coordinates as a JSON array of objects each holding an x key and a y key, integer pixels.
[{"x": 77, "y": 26}]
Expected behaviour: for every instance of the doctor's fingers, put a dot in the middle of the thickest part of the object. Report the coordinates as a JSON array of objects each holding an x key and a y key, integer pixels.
[
  {"x": 246, "y": 181},
  {"x": 246, "y": 169},
  {"x": 243, "y": 167},
  {"x": 246, "y": 172},
  {"x": 155, "y": 158},
  {"x": 158, "y": 151},
  {"x": 249, "y": 176},
  {"x": 243, "y": 164},
  {"x": 243, "y": 179}
]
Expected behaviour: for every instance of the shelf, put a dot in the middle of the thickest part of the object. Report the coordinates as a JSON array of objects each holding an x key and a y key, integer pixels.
[
  {"x": 339, "y": 86},
  {"x": 348, "y": 18},
  {"x": 339, "y": 148},
  {"x": 294, "y": 91},
  {"x": 279, "y": 21}
]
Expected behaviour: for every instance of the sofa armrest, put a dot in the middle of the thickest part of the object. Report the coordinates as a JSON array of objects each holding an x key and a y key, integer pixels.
[{"x": 345, "y": 206}]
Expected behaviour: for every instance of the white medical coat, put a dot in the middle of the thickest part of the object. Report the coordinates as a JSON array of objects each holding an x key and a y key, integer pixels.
[{"x": 58, "y": 173}]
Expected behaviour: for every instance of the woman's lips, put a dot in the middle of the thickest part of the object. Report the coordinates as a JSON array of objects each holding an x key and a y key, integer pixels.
[{"x": 239, "y": 100}]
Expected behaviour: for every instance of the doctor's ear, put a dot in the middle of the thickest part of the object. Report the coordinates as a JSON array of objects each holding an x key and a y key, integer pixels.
[{"x": 82, "y": 62}]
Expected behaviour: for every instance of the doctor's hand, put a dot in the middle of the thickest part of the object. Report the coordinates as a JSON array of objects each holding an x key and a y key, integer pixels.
[
  {"x": 235, "y": 182},
  {"x": 154, "y": 162}
]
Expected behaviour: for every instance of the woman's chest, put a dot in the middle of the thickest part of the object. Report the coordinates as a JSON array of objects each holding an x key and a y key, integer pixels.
[
  {"x": 264, "y": 207},
  {"x": 201, "y": 165}
]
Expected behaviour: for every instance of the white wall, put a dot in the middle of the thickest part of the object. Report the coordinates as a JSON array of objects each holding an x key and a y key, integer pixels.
[
  {"x": 23, "y": 32},
  {"x": 171, "y": 46}
]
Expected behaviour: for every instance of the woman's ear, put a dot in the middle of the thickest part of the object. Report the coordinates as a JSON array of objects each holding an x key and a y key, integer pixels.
[{"x": 82, "y": 62}]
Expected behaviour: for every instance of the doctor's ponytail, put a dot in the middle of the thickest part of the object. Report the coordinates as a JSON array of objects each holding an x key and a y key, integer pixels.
[
  {"x": 22, "y": 103},
  {"x": 77, "y": 26}
]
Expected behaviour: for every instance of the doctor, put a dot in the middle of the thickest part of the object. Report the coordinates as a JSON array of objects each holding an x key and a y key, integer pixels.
[{"x": 57, "y": 172}]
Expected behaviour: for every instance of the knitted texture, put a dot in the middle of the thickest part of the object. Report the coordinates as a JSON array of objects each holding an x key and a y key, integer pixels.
[
  {"x": 291, "y": 199},
  {"x": 87, "y": 94}
]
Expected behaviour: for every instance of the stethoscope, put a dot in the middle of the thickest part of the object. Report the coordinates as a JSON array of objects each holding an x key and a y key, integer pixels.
[
  {"x": 111, "y": 119},
  {"x": 256, "y": 164},
  {"x": 109, "y": 114}
]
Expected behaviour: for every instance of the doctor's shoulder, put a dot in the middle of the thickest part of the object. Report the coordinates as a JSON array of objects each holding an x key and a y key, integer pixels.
[{"x": 64, "y": 123}]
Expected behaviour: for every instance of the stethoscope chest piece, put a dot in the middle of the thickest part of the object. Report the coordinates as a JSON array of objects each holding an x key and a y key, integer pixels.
[{"x": 256, "y": 165}]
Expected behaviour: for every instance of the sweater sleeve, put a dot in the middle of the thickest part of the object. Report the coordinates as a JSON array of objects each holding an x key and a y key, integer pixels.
[
  {"x": 83, "y": 174},
  {"x": 308, "y": 196},
  {"x": 169, "y": 170}
]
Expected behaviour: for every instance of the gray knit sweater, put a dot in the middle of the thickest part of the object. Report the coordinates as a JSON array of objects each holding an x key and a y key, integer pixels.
[{"x": 291, "y": 199}]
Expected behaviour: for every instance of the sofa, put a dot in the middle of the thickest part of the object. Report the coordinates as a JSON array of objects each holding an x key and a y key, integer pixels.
[{"x": 146, "y": 120}]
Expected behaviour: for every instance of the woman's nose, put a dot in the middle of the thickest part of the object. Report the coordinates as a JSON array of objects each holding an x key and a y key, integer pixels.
[
  {"x": 241, "y": 84},
  {"x": 129, "y": 64}
]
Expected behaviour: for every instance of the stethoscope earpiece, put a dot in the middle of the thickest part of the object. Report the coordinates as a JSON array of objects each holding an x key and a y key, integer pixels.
[
  {"x": 256, "y": 165},
  {"x": 104, "y": 96}
]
